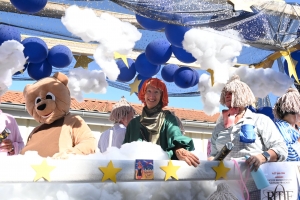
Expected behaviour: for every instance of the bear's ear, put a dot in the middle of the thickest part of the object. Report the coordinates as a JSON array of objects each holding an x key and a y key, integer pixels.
[
  {"x": 25, "y": 90},
  {"x": 61, "y": 77}
]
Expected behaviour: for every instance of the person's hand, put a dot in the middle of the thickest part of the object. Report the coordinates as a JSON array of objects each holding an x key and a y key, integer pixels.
[
  {"x": 188, "y": 157},
  {"x": 299, "y": 139},
  {"x": 255, "y": 161},
  {"x": 6, "y": 146}
]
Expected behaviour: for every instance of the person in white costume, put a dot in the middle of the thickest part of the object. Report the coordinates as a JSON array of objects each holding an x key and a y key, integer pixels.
[{"x": 121, "y": 115}]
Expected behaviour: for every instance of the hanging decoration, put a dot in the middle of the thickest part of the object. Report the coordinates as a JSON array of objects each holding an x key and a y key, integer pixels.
[
  {"x": 127, "y": 73},
  {"x": 287, "y": 54},
  {"x": 9, "y": 33},
  {"x": 262, "y": 26},
  {"x": 175, "y": 34},
  {"x": 170, "y": 170},
  {"x": 82, "y": 61},
  {"x": 40, "y": 70},
  {"x": 110, "y": 172},
  {"x": 60, "y": 56},
  {"x": 168, "y": 71},
  {"x": 182, "y": 55},
  {"x": 42, "y": 171},
  {"x": 134, "y": 87},
  {"x": 144, "y": 67},
  {"x": 221, "y": 171},
  {"x": 158, "y": 51},
  {"x": 35, "y": 49},
  {"x": 122, "y": 57},
  {"x": 184, "y": 77},
  {"x": 29, "y": 6},
  {"x": 149, "y": 24}
]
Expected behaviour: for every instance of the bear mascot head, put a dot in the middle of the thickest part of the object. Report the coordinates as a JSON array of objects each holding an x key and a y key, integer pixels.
[{"x": 60, "y": 133}]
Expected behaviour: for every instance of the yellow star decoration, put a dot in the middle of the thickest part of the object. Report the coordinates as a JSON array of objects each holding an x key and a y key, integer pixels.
[
  {"x": 134, "y": 87},
  {"x": 82, "y": 61},
  {"x": 121, "y": 56},
  {"x": 110, "y": 172},
  {"x": 241, "y": 5},
  {"x": 170, "y": 170},
  {"x": 221, "y": 171},
  {"x": 291, "y": 64},
  {"x": 42, "y": 171}
]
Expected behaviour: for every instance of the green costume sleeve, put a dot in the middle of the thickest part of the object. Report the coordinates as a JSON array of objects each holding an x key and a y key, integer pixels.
[
  {"x": 133, "y": 131},
  {"x": 174, "y": 137}
]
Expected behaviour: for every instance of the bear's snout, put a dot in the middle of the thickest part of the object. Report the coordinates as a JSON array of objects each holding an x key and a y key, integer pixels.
[{"x": 41, "y": 107}]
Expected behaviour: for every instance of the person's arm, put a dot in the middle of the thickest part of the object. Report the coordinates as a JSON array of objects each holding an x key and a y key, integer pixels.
[
  {"x": 16, "y": 139},
  {"x": 273, "y": 141},
  {"x": 179, "y": 146}
]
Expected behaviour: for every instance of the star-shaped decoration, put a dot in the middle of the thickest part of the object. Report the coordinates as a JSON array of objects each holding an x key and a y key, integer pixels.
[
  {"x": 291, "y": 64},
  {"x": 134, "y": 87},
  {"x": 221, "y": 171},
  {"x": 121, "y": 56},
  {"x": 82, "y": 61},
  {"x": 110, "y": 172},
  {"x": 170, "y": 170},
  {"x": 242, "y": 5},
  {"x": 42, "y": 171}
]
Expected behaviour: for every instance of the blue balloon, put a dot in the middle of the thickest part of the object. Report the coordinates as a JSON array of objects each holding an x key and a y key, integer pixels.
[
  {"x": 60, "y": 56},
  {"x": 149, "y": 24},
  {"x": 196, "y": 78},
  {"x": 158, "y": 51},
  {"x": 35, "y": 49},
  {"x": 9, "y": 33},
  {"x": 29, "y": 6},
  {"x": 38, "y": 71},
  {"x": 168, "y": 71},
  {"x": 183, "y": 77},
  {"x": 175, "y": 34},
  {"x": 126, "y": 74},
  {"x": 182, "y": 55},
  {"x": 144, "y": 67},
  {"x": 143, "y": 79},
  {"x": 253, "y": 29},
  {"x": 20, "y": 72},
  {"x": 268, "y": 111}
]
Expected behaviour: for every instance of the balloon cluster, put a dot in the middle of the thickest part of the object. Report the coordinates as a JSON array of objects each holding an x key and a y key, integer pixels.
[
  {"x": 39, "y": 59},
  {"x": 157, "y": 53}
]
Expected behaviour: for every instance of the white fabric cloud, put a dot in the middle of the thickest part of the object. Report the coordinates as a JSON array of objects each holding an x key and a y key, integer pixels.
[
  {"x": 112, "y": 34},
  {"x": 12, "y": 60},
  {"x": 85, "y": 81},
  {"x": 264, "y": 81}
]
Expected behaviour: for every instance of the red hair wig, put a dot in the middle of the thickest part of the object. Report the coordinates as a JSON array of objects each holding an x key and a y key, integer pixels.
[{"x": 158, "y": 84}]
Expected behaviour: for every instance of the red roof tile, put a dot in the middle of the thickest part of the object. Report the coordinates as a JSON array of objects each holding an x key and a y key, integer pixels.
[{"x": 105, "y": 106}]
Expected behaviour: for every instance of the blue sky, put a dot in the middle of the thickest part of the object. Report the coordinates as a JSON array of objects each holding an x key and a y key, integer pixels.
[{"x": 113, "y": 93}]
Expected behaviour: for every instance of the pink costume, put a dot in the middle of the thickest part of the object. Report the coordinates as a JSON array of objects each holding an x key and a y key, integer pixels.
[{"x": 8, "y": 121}]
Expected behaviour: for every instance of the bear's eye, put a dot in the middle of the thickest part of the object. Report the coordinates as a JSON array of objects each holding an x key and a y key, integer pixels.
[
  {"x": 50, "y": 96},
  {"x": 38, "y": 100}
]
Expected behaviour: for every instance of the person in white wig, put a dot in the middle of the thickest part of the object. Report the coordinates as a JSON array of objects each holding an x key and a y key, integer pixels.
[
  {"x": 121, "y": 115},
  {"x": 287, "y": 114},
  {"x": 252, "y": 134}
]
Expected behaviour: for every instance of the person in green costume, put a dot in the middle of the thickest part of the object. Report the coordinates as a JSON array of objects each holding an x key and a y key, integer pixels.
[{"x": 160, "y": 126}]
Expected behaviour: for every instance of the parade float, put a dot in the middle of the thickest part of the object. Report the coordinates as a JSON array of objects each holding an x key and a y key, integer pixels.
[{"x": 194, "y": 46}]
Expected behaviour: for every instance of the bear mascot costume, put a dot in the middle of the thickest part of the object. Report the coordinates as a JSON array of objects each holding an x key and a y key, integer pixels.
[{"x": 60, "y": 133}]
